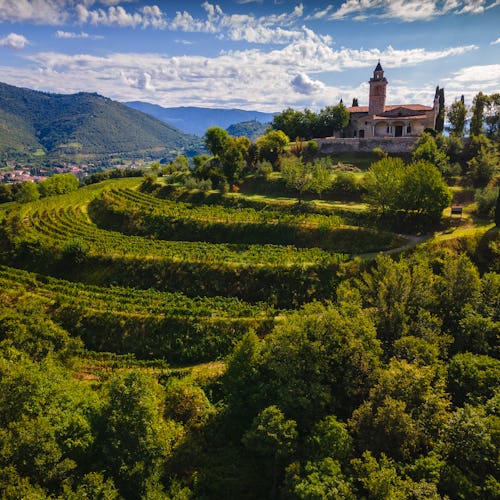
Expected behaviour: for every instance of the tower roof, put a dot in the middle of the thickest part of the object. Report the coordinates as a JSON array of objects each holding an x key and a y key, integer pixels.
[{"x": 379, "y": 67}]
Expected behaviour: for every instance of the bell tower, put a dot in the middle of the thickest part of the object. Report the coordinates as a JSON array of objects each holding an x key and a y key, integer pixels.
[{"x": 378, "y": 86}]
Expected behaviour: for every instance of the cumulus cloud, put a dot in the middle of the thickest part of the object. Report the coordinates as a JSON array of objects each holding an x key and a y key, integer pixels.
[
  {"x": 242, "y": 27},
  {"x": 71, "y": 34},
  {"x": 14, "y": 41},
  {"x": 34, "y": 11},
  {"x": 408, "y": 10},
  {"x": 302, "y": 84},
  {"x": 147, "y": 16},
  {"x": 495, "y": 42},
  {"x": 486, "y": 75},
  {"x": 251, "y": 79}
]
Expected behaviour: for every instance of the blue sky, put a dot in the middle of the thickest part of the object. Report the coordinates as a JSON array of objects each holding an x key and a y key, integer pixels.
[{"x": 256, "y": 55}]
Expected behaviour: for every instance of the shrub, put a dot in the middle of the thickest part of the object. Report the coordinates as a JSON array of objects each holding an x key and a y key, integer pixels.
[{"x": 486, "y": 201}]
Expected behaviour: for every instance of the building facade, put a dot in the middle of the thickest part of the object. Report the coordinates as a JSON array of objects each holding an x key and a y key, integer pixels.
[{"x": 378, "y": 120}]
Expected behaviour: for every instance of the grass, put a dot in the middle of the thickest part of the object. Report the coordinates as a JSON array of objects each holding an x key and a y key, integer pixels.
[{"x": 361, "y": 160}]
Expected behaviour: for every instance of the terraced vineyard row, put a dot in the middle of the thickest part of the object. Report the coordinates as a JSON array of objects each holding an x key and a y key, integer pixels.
[
  {"x": 69, "y": 236},
  {"x": 148, "y": 323},
  {"x": 54, "y": 221},
  {"x": 136, "y": 201},
  {"x": 136, "y": 213}
]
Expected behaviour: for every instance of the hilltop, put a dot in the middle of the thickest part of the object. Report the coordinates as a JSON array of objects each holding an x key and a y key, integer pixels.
[
  {"x": 195, "y": 120},
  {"x": 83, "y": 123}
]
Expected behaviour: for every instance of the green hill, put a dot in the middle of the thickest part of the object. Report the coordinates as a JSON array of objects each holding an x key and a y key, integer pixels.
[
  {"x": 81, "y": 123},
  {"x": 251, "y": 129}
]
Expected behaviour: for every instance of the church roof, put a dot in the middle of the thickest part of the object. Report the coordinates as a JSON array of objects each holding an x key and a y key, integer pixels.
[
  {"x": 412, "y": 107},
  {"x": 379, "y": 67}
]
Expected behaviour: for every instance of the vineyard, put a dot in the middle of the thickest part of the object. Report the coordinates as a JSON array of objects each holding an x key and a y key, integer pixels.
[
  {"x": 161, "y": 278},
  {"x": 202, "y": 334}
]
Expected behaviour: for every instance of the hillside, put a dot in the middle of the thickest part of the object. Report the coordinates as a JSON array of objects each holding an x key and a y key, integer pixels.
[
  {"x": 158, "y": 341},
  {"x": 194, "y": 120},
  {"x": 251, "y": 129},
  {"x": 80, "y": 123}
]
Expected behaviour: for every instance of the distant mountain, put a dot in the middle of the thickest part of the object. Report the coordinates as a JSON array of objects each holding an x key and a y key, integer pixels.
[
  {"x": 81, "y": 123},
  {"x": 251, "y": 129},
  {"x": 195, "y": 120}
]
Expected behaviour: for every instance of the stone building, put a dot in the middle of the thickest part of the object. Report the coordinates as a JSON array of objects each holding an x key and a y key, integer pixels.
[{"x": 377, "y": 120}]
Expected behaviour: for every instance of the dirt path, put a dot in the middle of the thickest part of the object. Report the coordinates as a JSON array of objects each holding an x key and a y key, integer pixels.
[{"x": 412, "y": 242}]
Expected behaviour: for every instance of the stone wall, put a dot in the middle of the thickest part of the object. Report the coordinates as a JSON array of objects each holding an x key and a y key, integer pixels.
[{"x": 391, "y": 145}]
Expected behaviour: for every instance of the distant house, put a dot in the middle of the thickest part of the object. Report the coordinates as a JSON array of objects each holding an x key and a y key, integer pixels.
[{"x": 377, "y": 120}]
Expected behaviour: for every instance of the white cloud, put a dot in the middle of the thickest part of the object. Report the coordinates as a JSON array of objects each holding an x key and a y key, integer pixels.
[
  {"x": 484, "y": 77},
  {"x": 147, "y": 16},
  {"x": 248, "y": 79},
  {"x": 71, "y": 34},
  {"x": 320, "y": 13},
  {"x": 409, "y": 10},
  {"x": 471, "y": 80},
  {"x": 302, "y": 84},
  {"x": 242, "y": 27},
  {"x": 14, "y": 41},
  {"x": 495, "y": 42},
  {"x": 34, "y": 11}
]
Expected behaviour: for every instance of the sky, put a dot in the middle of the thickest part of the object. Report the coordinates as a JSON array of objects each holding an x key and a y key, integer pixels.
[{"x": 263, "y": 55}]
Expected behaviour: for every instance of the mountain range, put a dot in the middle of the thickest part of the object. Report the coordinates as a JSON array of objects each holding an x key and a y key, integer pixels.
[
  {"x": 83, "y": 123},
  {"x": 196, "y": 120}
]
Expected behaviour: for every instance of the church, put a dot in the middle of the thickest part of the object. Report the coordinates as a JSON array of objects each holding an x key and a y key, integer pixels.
[{"x": 377, "y": 120}]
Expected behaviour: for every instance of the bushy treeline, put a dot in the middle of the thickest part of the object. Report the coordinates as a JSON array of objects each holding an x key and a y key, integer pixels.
[
  {"x": 24, "y": 192},
  {"x": 308, "y": 125},
  {"x": 389, "y": 390}
]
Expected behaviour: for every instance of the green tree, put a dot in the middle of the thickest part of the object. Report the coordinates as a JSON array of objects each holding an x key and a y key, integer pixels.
[
  {"x": 215, "y": 140},
  {"x": 26, "y": 192},
  {"x": 292, "y": 123},
  {"x": 423, "y": 192},
  {"x": 242, "y": 381},
  {"x": 457, "y": 286},
  {"x": 330, "y": 120},
  {"x": 232, "y": 159},
  {"x": 497, "y": 211},
  {"x": 454, "y": 149},
  {"x": 477, "y": 120},
  {"x": 272, "y": 437},
  {"x": 271, "y": 146},
  {"x": 5, "y": 193},
  {"x": 58, "y": 184},
  {"x": 134, "y": 440},
  {"x": 457, "y": 116},
  {"x": 330, "y": 438},
  {"x": 322, "y": 480},
  {"x": 297, "y": 175},
  {"x": 473, "y": 378},
  {"x": 428, "y": 150},
  {"x": 321, "y": 177},
  {"x": 383, "y": 184},
  {"x": 470, "y": 448},
  {"x": 442, "y": 110},
  {"x": 379, "y": 480},
  {"x": 31, "y": 332},
  {"x": 45, "y": 422},
  {"x": 482, "y": 166},
  {"x": 405, "y": 412},
  {"x": 492, "y": 118},
  {"x": 186, "y": 402},
  {"x": 320, "y": 361}
]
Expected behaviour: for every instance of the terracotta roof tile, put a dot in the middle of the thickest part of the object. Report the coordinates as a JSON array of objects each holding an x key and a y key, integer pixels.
[{"x": 413, "y": 107}]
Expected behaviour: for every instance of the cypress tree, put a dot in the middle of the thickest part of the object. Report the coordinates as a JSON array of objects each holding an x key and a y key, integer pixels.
[{"x": 442, "y": 110}]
